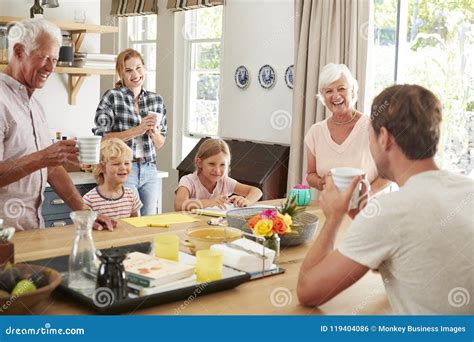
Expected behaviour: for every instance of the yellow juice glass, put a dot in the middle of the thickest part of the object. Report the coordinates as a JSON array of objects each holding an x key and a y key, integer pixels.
[
  {"x": 167, "y": 246},
  {"x": 208, "y": 265}
]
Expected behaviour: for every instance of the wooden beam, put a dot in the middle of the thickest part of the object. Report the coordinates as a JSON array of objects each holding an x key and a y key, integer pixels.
[
  {"x": 78, "y": 38},
  {"x": 75, "y": 83}
]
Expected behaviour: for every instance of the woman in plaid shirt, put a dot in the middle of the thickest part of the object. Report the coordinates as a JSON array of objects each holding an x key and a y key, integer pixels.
[{"x": 138, "y": 117}]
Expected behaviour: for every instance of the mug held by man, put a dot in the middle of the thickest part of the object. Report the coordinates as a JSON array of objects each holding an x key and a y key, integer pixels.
[
  {"x": 89, "y": 149},
  {"x": 343, "y": 177}
]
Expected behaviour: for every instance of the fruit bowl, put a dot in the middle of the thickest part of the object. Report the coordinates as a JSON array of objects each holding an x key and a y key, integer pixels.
[{"x": 24, "y": 303}]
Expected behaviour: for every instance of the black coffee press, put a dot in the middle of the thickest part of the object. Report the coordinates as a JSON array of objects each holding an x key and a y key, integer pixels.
[{"x": 112, "y": 274}]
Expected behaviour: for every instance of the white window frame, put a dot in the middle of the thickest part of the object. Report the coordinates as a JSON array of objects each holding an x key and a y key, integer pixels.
[{"x": 188, "y": 48}]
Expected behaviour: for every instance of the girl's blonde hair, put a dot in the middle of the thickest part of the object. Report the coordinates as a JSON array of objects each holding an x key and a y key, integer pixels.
[
  {"x": 111, "y": 149},
  {"x": 211, "y": 147},
  {"x": 124, "y": 56}
]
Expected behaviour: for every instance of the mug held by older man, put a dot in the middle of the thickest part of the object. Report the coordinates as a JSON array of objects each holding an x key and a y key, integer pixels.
[
  {"x": 89, "y": 150},
  {"x": 343, "y": 177}
]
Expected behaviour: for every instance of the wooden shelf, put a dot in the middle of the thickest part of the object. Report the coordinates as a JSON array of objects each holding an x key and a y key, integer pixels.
[
  {"x": 78, "y": 31},
  {"x": 76, "y": 71},
  {"x": 69, "y": 26},
  {"x": 83, "y": 71}
]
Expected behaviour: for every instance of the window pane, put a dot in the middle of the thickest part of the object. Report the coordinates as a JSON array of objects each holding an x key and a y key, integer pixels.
[
  {"x": 204, "y": 23},
  {"x": 385, "y": 29},
  {"x": 203, "y": 70},
  {"x": 150, "y": 81},
  {"x": 206, "y": 56},
  {"x": 142, "y": 27},
  {"x": 204, "y": 103},
  {"x": 438, "y": 54},
  {"x": 148, "y": 52}
]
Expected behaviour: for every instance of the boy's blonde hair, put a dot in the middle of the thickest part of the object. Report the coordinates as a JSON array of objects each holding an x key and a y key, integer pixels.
[
  {"x": 211, "y": 147},
  {"x": 111, "y": 149}
]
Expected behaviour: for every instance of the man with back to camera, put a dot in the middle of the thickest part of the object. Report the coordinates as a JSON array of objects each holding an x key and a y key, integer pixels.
[
  {"x": 421, "y": 237},
  {"x": 27, "y": 159}
]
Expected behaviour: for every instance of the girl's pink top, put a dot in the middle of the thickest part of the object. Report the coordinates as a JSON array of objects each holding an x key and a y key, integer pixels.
[{"x": 225, "y": 186}]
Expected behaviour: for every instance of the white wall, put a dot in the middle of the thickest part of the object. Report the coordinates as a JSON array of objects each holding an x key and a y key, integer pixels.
[
  {"x": 70, "y": 120},
  {"x": 257, "y": 33},
  {"x": 254, "y": 33},
  {"x": 165, "y": 64},
  {"x": 108, "y": 42}
]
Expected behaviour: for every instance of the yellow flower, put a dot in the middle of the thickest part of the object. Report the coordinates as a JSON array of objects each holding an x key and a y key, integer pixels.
[
  {"x": 263, "y": 228},
  {"x": 286, "y": 218}
]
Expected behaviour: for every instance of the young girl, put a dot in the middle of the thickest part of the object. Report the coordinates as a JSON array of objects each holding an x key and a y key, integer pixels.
[
  {"x": 110, "y": 197},
  {"x": 209, "y": 184}
]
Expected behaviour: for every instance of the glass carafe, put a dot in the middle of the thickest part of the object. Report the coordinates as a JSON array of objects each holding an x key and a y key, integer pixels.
[{"x": 83, "y": 260}]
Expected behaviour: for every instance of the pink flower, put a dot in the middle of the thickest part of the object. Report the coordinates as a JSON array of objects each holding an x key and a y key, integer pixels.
[
  {"x": 268, "y": 214},
  {"x": 301, "y": 186}
]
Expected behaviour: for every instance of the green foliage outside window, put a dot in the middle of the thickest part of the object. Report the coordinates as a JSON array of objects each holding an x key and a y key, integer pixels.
[{"x": 439, "y": 55}]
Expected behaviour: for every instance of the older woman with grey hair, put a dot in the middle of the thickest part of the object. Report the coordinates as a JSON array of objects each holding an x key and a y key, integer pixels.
[{"x": 342, "y": 140}]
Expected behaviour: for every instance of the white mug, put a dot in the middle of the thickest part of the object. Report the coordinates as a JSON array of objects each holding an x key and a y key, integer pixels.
[
  {"x": 159, "y": 117},
  {"x": 343, "y": 177},
  {"x": 89, "y": 150}
]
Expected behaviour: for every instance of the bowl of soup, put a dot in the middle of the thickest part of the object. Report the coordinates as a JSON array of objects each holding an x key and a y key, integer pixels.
[{"x": 199, "y": 238}]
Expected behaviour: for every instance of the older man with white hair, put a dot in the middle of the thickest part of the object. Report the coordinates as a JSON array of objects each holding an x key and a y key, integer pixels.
[{"x": 27, "y": 158}]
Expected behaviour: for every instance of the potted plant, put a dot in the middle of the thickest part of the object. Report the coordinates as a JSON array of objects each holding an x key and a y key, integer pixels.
[{"x": 302, "y": 193}]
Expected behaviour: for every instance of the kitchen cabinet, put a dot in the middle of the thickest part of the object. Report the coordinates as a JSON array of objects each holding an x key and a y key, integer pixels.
[
  {"x": 55, "y": 211},
  {"x": 76, "y": 76}
]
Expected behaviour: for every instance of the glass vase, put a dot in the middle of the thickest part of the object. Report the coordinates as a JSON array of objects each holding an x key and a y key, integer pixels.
[
  {"x": 273, "y": 242},
  {"x": 83, "y": 260}
]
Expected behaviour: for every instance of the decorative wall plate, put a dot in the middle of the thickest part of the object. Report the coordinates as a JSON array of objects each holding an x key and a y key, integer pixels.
[
  {"x": 266, "y": 76},
  {"x": 289, "y": 76},
  {"x": 242, "y": 77}
]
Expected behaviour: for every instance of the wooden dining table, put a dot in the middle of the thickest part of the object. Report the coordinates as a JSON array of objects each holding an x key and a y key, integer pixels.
[{"x": 273, "y": 295}]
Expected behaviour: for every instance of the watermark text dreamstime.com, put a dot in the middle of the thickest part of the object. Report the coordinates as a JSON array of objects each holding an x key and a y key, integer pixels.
[
  {"x": 46, "y": 330},
  {"x": 197, "y": 291}
]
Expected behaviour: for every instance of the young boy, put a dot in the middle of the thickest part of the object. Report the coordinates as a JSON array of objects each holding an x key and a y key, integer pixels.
[{"x": 110, "y": 197}]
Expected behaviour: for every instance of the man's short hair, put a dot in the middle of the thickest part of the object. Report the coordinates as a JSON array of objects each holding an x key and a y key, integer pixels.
[
  {"x": 27, "y": 31},
  {"x": 412, "y": 114}
]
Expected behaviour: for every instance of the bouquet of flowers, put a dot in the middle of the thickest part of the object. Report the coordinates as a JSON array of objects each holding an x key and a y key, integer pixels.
[
  {"x": 274, "y": 221},
  {"x": 269, "y": 222}
]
